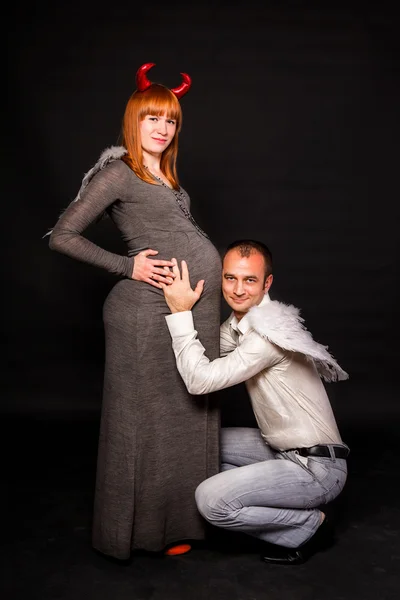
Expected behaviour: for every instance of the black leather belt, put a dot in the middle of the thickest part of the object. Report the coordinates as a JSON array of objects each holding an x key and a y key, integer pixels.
[{"x": 322, "y": 450}]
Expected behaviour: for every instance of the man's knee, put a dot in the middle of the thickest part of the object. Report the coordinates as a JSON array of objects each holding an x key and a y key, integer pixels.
[
  {"x": 202, "y": 498},
  {"x": 210, "y": 505}
]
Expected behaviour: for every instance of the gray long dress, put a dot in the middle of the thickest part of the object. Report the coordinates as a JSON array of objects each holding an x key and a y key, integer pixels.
[{"x": 157, "y": 442}]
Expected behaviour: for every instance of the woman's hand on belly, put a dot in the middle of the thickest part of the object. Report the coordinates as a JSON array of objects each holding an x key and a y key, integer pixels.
[{"x": 152, "y": 271}]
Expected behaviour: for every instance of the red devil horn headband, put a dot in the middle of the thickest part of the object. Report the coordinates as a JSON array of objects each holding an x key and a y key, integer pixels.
[{"x": 143, "y": 83}]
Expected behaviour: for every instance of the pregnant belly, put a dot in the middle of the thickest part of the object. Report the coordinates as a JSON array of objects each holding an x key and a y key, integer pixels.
[
  {"x": 200, "y": 254},
  {"x": 202, "y": 258}
]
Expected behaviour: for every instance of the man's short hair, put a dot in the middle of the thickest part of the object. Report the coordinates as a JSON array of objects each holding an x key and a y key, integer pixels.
[{"x": 247, "y": 247}]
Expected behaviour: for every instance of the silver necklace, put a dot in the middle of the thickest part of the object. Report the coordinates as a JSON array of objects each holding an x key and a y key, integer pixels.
[{"x": 179, "y": 197}]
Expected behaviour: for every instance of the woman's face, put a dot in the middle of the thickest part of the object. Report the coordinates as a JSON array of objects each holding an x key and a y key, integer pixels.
[{"x": 156, "y": 133}]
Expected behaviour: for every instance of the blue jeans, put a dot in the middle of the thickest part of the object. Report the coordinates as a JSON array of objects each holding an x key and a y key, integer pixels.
[{"x": 268, "y": 494}]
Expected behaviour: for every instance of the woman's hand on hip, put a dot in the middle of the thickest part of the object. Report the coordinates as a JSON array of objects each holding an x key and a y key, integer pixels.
[{"x": 152, "y": 270}]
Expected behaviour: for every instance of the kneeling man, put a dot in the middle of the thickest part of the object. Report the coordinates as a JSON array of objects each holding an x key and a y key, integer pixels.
[{"x": 276, "y": 479}]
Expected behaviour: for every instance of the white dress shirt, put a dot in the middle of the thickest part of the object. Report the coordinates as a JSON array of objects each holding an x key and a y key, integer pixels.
[{"x": 289, "y": 400}]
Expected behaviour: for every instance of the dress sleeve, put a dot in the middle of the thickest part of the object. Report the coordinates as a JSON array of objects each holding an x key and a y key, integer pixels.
[{"x": 106, "y": 187}]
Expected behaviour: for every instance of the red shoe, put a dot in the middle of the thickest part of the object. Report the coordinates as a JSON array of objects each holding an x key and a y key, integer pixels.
[{"x": 178, "y": 549}]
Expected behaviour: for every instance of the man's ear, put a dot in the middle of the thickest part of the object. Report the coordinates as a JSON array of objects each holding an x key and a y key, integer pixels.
[{"x": 268, "y": 283}]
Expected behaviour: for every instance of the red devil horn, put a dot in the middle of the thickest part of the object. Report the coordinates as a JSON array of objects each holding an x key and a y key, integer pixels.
[
  {"x": 142, "y": 83},
  {"x": 184, "y": 87}
]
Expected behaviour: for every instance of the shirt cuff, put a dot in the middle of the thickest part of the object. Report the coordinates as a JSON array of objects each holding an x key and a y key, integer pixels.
[{"x": 180, "y": 323}]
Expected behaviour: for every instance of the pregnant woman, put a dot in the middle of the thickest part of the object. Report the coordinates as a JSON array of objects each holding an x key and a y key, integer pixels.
[{"x": 156, "y": 442}]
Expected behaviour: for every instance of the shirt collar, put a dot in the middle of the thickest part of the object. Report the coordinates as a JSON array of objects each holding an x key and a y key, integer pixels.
[{"x": 243, "y": 325}]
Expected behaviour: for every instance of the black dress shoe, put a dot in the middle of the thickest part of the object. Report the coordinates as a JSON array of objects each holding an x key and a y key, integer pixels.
[{"x": 322, "y": 539}]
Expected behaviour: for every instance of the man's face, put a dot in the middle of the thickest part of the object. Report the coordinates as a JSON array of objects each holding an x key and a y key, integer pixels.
[{"x": 243, "y": 283}]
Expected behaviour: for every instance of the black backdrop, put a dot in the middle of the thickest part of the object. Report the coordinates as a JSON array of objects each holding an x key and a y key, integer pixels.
[{"x": 290, "y": 135}]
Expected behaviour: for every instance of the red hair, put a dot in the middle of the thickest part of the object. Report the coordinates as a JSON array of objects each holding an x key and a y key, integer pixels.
[{"x": 157, "y": 100}]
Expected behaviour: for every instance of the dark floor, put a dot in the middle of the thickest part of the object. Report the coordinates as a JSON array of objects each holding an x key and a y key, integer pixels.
[{"x": 48, "y": 471}]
